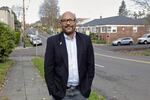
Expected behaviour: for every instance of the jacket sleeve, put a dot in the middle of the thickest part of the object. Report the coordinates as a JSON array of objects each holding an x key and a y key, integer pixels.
[
  {"x": 49, "y": 65},
  {"x": 91, "y": 62}
]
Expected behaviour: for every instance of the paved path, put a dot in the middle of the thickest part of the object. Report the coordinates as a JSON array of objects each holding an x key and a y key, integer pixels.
[{"x": 24, "y": 83}]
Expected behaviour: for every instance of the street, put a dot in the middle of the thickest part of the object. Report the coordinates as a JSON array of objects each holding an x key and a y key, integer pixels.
[
  {"x": 117, "y": 75},
  {"x": 120, "y": 33},
  {"x": 121, "y": 76}
]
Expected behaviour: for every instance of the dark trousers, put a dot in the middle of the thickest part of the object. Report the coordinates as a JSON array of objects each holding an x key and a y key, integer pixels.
[{"x": 73, "y": 94}]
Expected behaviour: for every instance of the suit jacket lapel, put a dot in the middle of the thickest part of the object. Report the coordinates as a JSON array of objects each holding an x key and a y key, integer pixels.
[
  {"x": 63, "y": 49},
  {"x": 79, "y": 48}
]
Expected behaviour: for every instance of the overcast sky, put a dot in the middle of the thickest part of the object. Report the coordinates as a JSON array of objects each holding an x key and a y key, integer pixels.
[{"x": 82, "y": 8}]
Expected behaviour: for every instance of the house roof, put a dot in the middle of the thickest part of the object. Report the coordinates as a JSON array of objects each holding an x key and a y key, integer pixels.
[
  {"x": 116, "y": 20},
  {"x": 5, "y": 8},
  {"x": 83, "y": 21}
]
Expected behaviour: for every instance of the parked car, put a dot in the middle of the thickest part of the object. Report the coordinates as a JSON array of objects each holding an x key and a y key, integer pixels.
[
  {"x": 32, "y": 36},
  {"x": 145, "y": 39},
  {"x": 30, "y": 33},
  {"x": 36, "y": 41},
  {"x": 123, "y": 41}
]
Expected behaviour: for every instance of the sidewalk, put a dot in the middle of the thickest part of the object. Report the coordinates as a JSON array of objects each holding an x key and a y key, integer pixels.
[{"x": 24, "y": 83}]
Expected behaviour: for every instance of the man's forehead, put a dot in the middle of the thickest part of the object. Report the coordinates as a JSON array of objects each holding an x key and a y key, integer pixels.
[{"x": 68, "y": 15}]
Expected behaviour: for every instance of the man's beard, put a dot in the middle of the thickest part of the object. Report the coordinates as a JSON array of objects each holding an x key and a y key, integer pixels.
[{"x": 71, "y": 30}]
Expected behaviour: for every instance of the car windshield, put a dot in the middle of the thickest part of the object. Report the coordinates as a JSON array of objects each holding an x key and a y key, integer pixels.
[{"x": 36, "y": 38}]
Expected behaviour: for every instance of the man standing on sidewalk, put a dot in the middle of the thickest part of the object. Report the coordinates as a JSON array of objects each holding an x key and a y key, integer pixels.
[{"x": 69, "y": 62}]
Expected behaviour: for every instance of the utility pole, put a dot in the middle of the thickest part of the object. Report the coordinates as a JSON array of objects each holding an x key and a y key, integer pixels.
[{"x": 23, "y": 37}]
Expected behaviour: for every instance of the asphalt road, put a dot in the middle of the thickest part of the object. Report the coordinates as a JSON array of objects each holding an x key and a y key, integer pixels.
[
  {"x": 117, "y": 75},
  {"x": 121, "y": 76}
]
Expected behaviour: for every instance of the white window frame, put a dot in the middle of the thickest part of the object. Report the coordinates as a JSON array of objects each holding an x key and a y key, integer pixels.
[
  {"x": 135, "y": 29},
  {"x": 93, "y": 29},
  {"x": 109, "y": 29},
  {"x": 114, "y": 29},
  {"x": 98, "y": 29},
  {"x": 103, "y": 29}
]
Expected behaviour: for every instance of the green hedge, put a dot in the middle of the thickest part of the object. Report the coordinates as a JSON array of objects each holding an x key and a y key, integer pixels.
[
  {"x": 95, "y": 39},
  {"x": 7, "y": 41},
  {"x": 17, "y": 37}
]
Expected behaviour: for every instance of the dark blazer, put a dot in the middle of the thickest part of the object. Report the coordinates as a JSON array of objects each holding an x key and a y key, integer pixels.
[{"x": 56, "y": 65}]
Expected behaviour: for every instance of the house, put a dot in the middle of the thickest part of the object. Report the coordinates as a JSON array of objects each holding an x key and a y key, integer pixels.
[
  {"x": 80, "y": 22},
  {"x": 111, "y": 28},
  {"x": 7, "y": 16}
]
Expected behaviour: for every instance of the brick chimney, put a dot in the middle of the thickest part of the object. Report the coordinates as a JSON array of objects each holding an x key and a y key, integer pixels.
[{"x": 100, "y": 17}]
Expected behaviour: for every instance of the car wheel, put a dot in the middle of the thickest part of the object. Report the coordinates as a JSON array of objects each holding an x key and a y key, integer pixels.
[
  {"x": 119, "y": 43},
  {"x": 131, "y": 43},
  {"x": 145, "y": 42}
]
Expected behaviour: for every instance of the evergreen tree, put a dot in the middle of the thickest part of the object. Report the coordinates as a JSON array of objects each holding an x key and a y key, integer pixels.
[{"x": 122, "y": 9}]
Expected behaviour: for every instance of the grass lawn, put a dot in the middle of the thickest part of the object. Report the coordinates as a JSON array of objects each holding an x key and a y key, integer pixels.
[
  {"x": 4, "y": 67},
  {"x": 27, "y": 42},
  {"x": 140, "y": 53},
  {"x": 39, "y": 63}
]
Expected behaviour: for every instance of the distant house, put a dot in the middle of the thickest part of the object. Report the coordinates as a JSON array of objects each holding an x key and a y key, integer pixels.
[
  {"x": 111, "y": 28},
  {"x": 6, "y": 16},
  {"x": 82, "y": 21}
]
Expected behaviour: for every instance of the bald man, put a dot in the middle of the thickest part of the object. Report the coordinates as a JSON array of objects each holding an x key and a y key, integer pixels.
[{"x": 69, "y": 62}]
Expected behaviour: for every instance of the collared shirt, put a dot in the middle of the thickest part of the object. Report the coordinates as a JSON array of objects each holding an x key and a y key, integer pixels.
[{"x": 73, "y": 78}]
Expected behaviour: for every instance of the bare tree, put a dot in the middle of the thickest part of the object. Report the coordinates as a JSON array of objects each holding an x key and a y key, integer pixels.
[
  {"x": 49, "y": 12},
  {"x": 145, "y": 4},
  {"x": 138, "y": 14}
]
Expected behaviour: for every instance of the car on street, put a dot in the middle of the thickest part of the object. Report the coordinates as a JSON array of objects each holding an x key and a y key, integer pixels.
[
  {"x": 36, "y": 41},
  {"x": 32, "y": 36},
  {"x": 145, "y": 39},
  {"x": 123, "y": 41},
  {"x": 30, "y": 33}
]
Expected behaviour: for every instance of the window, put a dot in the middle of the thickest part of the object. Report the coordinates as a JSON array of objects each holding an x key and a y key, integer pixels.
[
  {"x": 114, "y": 29},
  {"x": 93, "y": 29},
  {"x": 108, "y": 29},
  {"x": 135, "y": 29},
  {"x": 90, "y": 28},
  {"x": 103, "y": 29},
  {"x": 98, "y": 30},
  {"x": 148, "y": 29}
]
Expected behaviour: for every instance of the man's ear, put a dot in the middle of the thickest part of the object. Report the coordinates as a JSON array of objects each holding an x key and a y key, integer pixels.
[{"x": 59, "y": 29}]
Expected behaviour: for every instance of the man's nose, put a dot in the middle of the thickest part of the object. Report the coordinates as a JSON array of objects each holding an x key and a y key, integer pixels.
[{"x": 68, "y": 22}]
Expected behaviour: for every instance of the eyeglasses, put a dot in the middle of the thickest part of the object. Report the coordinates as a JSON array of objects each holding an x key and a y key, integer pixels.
[{"x": 68, "y": 20}]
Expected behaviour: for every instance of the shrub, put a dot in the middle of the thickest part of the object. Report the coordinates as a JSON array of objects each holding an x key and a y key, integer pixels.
[
  {"x": 17, "y": 36},
  {"x": 95, "y": 39},
  {"x": 7, "y": 42}
]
